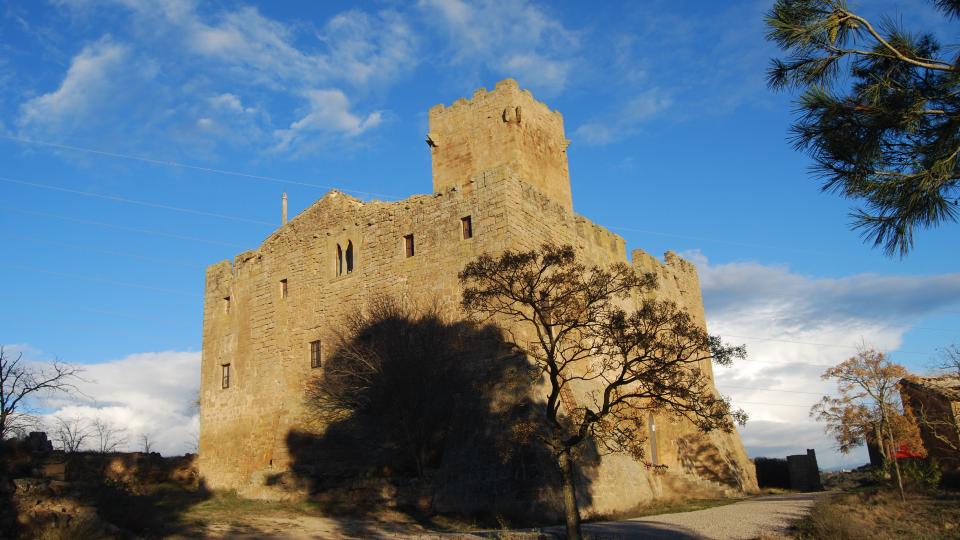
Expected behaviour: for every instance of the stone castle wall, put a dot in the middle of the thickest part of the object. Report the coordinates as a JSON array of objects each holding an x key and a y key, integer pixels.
[
  {"x": 265, "y": 337},
  {"x": 504, "y": 127}
]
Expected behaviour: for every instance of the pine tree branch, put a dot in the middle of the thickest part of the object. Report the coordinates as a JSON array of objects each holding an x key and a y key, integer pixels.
[{"x": 924, "y": 63}]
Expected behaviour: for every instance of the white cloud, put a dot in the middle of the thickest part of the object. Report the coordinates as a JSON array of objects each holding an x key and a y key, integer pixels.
[
  {"x": 512, "y": 39},
  {"x": 627, "y": 120},
  {"x": 353, "y": 46},
  {"x": 87, "y": 86},
  {"x": 145, "y": 393},
  {"x": 214, "y": 60},
  {"x": 794, "y": 326},
  {"x": 329, "y": 112}
]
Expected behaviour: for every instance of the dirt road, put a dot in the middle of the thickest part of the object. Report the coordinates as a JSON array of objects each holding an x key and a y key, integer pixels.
[{"x": 770, "y": 516}]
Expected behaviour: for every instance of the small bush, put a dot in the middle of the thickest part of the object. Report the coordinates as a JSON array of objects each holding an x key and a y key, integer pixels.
[{"x": 920, "y": 474}]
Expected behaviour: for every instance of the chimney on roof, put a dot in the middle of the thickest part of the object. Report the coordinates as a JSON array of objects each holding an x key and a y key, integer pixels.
[{"x": 283, "y": 209}]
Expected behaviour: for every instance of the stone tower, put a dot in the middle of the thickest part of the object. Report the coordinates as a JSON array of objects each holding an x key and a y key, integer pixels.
[
  {"x": 505, "y": 127},
  {"x": 274, "y": 313}
]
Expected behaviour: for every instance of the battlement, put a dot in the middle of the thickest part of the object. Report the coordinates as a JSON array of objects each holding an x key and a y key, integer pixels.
[{"x": 503, "y": 127}]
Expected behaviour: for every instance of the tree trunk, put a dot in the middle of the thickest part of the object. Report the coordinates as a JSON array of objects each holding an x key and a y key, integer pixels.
[
  {"x": 570, "y": 508},
  {"x": 893, "y": 454}
]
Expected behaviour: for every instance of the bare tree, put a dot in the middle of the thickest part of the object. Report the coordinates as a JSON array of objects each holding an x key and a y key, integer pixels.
[
  {"x": 567, "y": 321},
  {"x": 867, "y": 407},
  {"x": 109, "y": 437},
  {"x": 950, "y": 360},
  {"x": 71, "y": 433},
  {"x": 21, "y": 382},
  {"x": 146, "y": 442}
]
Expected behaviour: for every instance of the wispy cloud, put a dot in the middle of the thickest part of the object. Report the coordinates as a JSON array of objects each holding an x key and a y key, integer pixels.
[
  {"x": 794, "y": 326},
  {"x": 88, "y": 86},
  {"x": 619, "y": 125},
  {"x": 274, "y": 67},
  {"x": 329, "y": 113},
  {"x": 515, "y": 39}
]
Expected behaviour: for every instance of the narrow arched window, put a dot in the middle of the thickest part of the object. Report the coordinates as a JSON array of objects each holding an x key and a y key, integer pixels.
[
  {"x": 652, "y": 427},
  {"x": 339, "y": 260},
  {"x": 349, "y": 256}
]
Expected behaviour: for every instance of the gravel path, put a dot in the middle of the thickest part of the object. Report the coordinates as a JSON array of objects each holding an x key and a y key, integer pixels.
[
  {"x": 770, "y": 516},
  {"x": 748, "y": 519}
]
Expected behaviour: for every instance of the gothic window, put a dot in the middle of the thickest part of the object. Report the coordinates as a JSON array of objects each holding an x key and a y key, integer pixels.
[
  {"x": 349, "y": 256},
  {"x": 225, "y": 376},
  {"x": 466, "y": 225},
  {"x": 408, "y": 245},
  {"x": 315, "y": 358},
  {"x": 339, "y": 260}
]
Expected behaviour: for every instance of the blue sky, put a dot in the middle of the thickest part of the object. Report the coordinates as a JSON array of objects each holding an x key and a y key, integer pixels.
[{"x": 141, "y": 141}]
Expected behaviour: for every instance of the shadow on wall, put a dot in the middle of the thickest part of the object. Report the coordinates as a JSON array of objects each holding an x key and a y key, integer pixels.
[
  {"x": 424, "y": 415},
  {"x": 703, "y": 457}
]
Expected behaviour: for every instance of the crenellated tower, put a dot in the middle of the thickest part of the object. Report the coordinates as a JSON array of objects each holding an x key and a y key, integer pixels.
[{"x": 507, "y": 126}]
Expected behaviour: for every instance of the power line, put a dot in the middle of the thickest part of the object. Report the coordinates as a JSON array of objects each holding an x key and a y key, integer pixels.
[
  {"x": 117, "y": 198},
  {"x": 171, "y": 163},
  {"x": 79, "y": 247},
  {"x": 100, "y": 280},
  {"x": 717, "y": 241},
  {"x": 773, "y": 404},
  {"x": 834, "y": 345},
  {"x": 87, "y": 309},
  {"x": 773, "y": 390},
  {"x": 119, "y": 227}
]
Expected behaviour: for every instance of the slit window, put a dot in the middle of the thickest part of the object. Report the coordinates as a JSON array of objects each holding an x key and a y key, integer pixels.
[
  {"x": 315, "y": 352},
  {"x": 349, "y": 257},
  {"x": 284, "y": 290},
  {"x": 226, "y": 304},
  {"x": 339, "y": 260},
  {"x": 466, "y": 225},
  {"x": 225, "y": 376},
  {"x": 408, "y": 248}
]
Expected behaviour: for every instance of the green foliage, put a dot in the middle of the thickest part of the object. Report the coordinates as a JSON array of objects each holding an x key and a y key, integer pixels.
[
  {"x": 920, "y": 475},
  {"x": 879, "y": 114}
]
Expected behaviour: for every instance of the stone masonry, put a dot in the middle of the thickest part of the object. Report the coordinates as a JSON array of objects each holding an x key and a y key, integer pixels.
[{"x": 499, "y": 167}]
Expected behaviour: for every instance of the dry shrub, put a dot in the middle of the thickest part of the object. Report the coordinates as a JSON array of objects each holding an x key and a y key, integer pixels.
[{"x": 879, "y": 514}]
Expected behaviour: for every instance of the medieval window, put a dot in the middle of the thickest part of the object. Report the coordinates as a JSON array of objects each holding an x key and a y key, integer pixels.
[
  {"x": 284, "y": 290},
  {"x": 652, "y": 426},
  {"x": 408, "y": 245},
  {"x": 226, "y": 304},
  {"x": 225, "y": 376},
  {"x": 339, "y": 260},
  {"x": 315, "y": 354},
  {"x": 349, "y": 257},
  {"x": 466, "y": 225}
]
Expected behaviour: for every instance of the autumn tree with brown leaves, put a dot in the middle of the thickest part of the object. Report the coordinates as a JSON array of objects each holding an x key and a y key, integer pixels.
[
  {"x": 603, "y": 368},
  {"x": 867, "y": 407}
]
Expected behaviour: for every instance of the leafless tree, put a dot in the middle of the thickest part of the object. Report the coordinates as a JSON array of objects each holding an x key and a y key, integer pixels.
[
  {"x": 567, "y": 320},
  {"x": 71, "y": 433},
  {"x": 950, "y": 360},
  {"x": 146, "y": 442},
  {"x": 20, "y": 382},
  {"x": 109, "y": 437}
]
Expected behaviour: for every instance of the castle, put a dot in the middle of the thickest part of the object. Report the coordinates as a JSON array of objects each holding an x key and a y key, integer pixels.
[{"x": 500, "y": 181}]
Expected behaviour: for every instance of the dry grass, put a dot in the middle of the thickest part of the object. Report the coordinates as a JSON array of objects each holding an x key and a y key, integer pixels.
[{"x": 878, "y": 513}]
